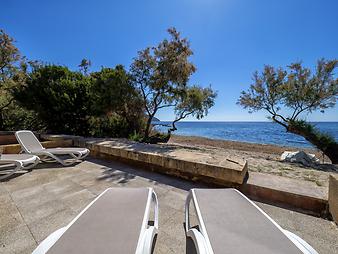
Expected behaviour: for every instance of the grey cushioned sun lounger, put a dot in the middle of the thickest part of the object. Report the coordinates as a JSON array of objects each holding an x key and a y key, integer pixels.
[
  {"x": 16, "y": 163},
  {"x": 115, "y": 222},
  {"x": 31, "y": 145},
  {"x": 228, "y": 222}
]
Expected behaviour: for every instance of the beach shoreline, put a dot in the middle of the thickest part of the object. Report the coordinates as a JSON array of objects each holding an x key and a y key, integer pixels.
[
  {"x": 238, "y": 145},
  {"x": 262, "y": 158}
]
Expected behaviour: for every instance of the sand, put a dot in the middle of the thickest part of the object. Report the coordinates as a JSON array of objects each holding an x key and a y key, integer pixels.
[{"x": 262, "y": 158}]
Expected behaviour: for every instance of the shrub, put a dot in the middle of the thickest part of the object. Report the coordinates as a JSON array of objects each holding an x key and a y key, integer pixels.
[{"x": 59, "y": 97}]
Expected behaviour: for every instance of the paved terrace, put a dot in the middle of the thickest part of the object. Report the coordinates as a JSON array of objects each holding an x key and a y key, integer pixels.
[{"x": 35, "y": 204}]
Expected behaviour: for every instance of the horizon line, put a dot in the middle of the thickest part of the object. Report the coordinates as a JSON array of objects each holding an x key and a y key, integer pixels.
[{"x": 239, "y": 121}]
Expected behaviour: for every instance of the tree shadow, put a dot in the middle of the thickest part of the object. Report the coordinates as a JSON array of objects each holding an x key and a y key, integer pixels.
[
  {"x": 124, "y": 173},
  {"x": 133, "y": 145}
]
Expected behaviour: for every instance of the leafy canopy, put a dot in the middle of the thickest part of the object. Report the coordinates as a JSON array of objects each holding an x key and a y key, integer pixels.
[
  {"x": 295, "y": 89},
  {"x": 59, "y": 96},
  {"x": 289, "y": 94},
  {"x": 161, "y": 74}
]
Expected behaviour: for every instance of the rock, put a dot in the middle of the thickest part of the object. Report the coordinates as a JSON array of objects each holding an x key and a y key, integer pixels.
[{"x": 299, "y": 157}]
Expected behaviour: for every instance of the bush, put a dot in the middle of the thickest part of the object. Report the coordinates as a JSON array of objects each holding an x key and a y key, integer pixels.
[
  {"x": 17, "y": 118},
  {"x": 59, "y": 97},
  {"x": 115, "y": 99},
  {"x": 136, "y": 137},
  {"x": 109, "y": 126},
  {"x": 102, "y": 104}
]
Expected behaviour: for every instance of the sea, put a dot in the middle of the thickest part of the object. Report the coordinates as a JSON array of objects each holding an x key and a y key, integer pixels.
[{"x": 252, "y": 132}]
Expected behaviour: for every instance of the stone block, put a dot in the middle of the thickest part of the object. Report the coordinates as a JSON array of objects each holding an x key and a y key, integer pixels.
[
  {"x": 333, "y": 196},
  {"x": 16, "y": 148}
]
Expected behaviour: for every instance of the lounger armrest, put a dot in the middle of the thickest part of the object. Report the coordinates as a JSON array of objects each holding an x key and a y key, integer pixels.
[
  {"x": 46, "y": 244},
  {"x": 200, "y": 236},
  {"x": 155, "y": 202},
  {"x": 300, "y": 243},
  {"x": 199, "y": 241},
  {"x": 17, "y": 163},
  {"x": 147, "y": 241},
  {"x": 148, "y": 233}
]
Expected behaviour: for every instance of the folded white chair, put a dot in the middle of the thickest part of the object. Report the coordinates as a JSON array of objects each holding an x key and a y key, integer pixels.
[
  {"x": 16, "y": 163},
  {"x": 117, "y": 221},
  {"x": 31, "y": 145},
  {"x": 228, "y": 222}
]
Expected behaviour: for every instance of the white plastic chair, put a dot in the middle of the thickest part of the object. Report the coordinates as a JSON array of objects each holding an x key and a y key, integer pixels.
[
  {"x": 16, "y": 163},
  {"x": 31, "y": 145}
]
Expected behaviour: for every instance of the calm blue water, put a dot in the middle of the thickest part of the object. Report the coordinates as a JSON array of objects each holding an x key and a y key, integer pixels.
[{"x": 254, "y": 132}]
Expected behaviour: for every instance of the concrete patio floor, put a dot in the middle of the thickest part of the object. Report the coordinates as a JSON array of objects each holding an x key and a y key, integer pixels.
[{"x": 35, "y": 204}]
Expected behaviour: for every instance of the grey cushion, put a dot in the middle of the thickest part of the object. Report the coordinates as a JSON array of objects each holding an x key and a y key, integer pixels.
[
  {"x": 111, "y": 225},
  {"x": 234, "y": 225}
]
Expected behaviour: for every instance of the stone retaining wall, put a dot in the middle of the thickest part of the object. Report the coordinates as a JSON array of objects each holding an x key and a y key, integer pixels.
[
  {"x": 180, "y": 167},
  {"x": 333, "y": 197},
  {"x": 16, "y": 148}
]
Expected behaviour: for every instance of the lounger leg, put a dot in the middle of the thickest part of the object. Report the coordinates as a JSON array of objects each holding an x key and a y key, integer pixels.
[
  {"x": 37, "y": 161},
  {"x": 59, "y": 160},
  {"x": 18, "y": 166}
]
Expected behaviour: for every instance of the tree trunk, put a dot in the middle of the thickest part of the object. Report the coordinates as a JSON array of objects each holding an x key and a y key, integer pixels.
[
  {"x": 147, "y": 130},
  {"x": 1, "y": 122},
  {"x": 330, "y": 150}
]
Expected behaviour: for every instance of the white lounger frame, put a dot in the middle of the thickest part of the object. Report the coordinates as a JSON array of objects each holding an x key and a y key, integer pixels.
[
  {"x": 17, "y": 166},
  {"x": 201, "y": 239},
  {"x": 47, "y": 156},
  {"x": 146, "y": 237}
]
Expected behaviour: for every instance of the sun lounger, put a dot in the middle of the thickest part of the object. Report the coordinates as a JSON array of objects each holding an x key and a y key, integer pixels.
[
  {"x": 16, "y": 163},
  {"x": 31, "y": 145},
  {"x": 117, "y": 221},
  {"x": 228, "y": 222}
]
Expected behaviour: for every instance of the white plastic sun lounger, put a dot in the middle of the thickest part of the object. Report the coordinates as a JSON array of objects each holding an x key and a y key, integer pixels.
[
  {"x": 16, "y": 163},
  {"x": 228, "y": 222},
  {"x": 31, "y": 145},
  {"x": 117, "y": 221}
]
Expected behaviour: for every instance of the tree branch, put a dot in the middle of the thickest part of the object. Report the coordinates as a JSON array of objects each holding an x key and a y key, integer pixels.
[{"x": 7, "y": 104}]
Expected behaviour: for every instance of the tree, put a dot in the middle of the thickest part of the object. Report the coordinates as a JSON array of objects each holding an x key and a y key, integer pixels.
[
  {"x": 289, "y": 94},
  {"x": 59, "y": 96},
  {"x": 10, "y": 59},
  {"x": 161, "y": 74},
  {"x": 195, "y": 102},
  {"x": 116, "y": 101},
  {"x": 84, "y": 66}
]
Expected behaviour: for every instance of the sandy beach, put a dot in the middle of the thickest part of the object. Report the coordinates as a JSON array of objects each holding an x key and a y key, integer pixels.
[{"x": 262, "y": 158}]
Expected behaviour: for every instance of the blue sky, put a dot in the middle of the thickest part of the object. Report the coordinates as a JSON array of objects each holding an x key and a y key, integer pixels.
[{"x": 230, "y": 38}]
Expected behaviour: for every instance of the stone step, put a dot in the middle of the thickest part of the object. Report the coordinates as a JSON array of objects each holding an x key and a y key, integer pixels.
[{"x": 305, "y": 196}]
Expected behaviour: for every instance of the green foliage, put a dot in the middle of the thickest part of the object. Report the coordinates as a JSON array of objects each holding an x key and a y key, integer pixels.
[
  {"x": 107, "y": 103},
  {"x": 17, "y": 118},
  {"x": 12, "y": 75},
  {"x": 196, "y": 101},
  {"x": 102, "y": 104},
  {"x": 111, "y": 90},
  {"x": 9, "y": 57},
  {"x": 109, "y": 126},
  {"x": 113, "y": 93},
  {"x": 60, "y": 98},
  {"x": 135, "y": 136},
  {"x": 320, "y": 139},
  {"x": 296, "y": 89},
  {"x": 84, "y": 66},
  {"x": 287, "y": 94},
  {"x": 157, "y": 138},
  {"x": 162, "y": 73}
]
